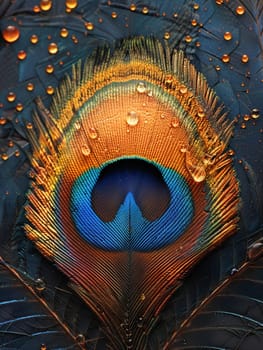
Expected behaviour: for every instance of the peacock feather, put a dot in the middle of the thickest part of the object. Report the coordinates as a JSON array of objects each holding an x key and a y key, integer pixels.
[{"x": 131, "y": 160}]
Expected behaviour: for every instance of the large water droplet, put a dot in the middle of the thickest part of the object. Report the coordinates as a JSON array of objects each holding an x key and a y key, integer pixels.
[
  {"x": 11, "y": 34},
  {"x": 85, "y": 150},
  {"x": 93, "y": 134},
  {"x": 52, "y": 48},
  {"x": 71, "y": 4},
  {"x": 132, "y": 118},
  {"x": 195, "y": 168},
  {"x": 40, "y": 285},
  {"x": 141, "y": 88}
]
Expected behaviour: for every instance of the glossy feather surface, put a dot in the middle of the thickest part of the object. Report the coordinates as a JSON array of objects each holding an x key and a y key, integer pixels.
[{"x": 131, "y": 173}]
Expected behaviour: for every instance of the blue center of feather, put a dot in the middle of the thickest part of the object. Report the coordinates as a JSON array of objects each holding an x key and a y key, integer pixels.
[{"x": 131, "y": 204}]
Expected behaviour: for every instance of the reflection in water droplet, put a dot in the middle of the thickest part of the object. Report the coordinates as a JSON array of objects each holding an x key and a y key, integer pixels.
[
  {"x": 175, "y": 122},
  {"x": 30, "y": 87},
  {"x": 4, "y": 156},
  {"x": 225, "y": 58},
  {"x": 11, "y": 97},
  {"x": 80, "y": 339},
  {"x": 132, "y": 118},
  {"x": 21, "y": 55},
  {"x": 45, "y": 5},
  {"x": 50, "y": 90},
  {"x": 93, "y": 134},
  {"x": 141, "y": 87},
  {"x": 29, "y": 126},
  {"x": 227, "y": 36},
  {"x": 240, "y": 10},
  {"x": 43, "y": 347},
  {"x": 63, "y": 32},
  {"x": 40, "y": 285},
  {"x": 114, "y": 15},
  {"x": 196, "y": 169},
  {"x": 52, "y": 48},
  {"x": 71, "y": 4},
  {"x": 34, "y": 39},
  {"x": 244, "y": 58},
  {"x": 188, "y": 38},
  {"x": 166, "y": 35},
  {"x": 85, "y": 150},
  {"x": 145, "y": 10},
  {"x": 133, "y": 7},
  {"x": 255, "y": 250},
  {"x": 243, "y": 126},
  {"x": 255, "y": 114},
  {"x": 89, "y": 26},
  {"x": 183, "y": 90},
  {"x": 142, "y": 297},
  {"x": 17, "y": 153},
  {"x": 11, "y": 34},
  {"x": 77, "y": 125},
  {"x": 49, "y": 69}
]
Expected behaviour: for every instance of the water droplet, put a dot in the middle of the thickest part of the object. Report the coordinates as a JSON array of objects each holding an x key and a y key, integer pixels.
[
  {"x": 132, "y": 118},
  {"x": 255, "y": 250},
  {"x": 11, "y": 143},
  {"x": 246, "y": 117},
  {"x": 219, "y": 2},
  {"x": 183, "y": 90},
  {"x": 244, "y": 58},
  {"x": 141, "y": 87},
  {"x": 34, "y": 39},
  {"x": 52, "y": 48},
  {"x": 218, "y": 68},
  {"x": 133, "y": 7},
  {"x": 45, "y": 5},
  {"x": 40, "y": 284},
  {"x": 49, "y": 69},
  {"x": 225, "y": 58},
  {"x": 196, "y": 7},
  {"x": 43, "y": 347},
  {"x": 233, "y": 271},
  {"x": 50, "y": 90},
  {"x": 145, "y": 10},
  {"x": 21, "y": 55},
  {"x": 89, "y": 26},
  {"x": 255, "y": 114},
  {"x": 11, "y": 34},
  {"x": 93, "y": 134},
  {"x": 175, "y": 122},
  {"x": 17, "y": 153},
  {"x": 30, "y": 87},
  {"x": 194, "y": 22},
  {"x": 195, "y": 168},
  {"x": 114, "y": 15},
  {"x": 80, "y": 339},
  {"x": 228, "y": 36},
  {"x": 11, "y": 96},
  {"x": 4, "y": 156},
  {"x": 150, "y": 93},
  {"x": 36, "y": 9},
  {"x": 240, "y": 10},
  {"x": 231, "y": 152},
  {"x": 183, "y": 149},
  {"x": 2, "y": 121},
  {"x": 243, "y": 126},
  {"x": 201, "y": 114},
  {"x": 198, "y": 44},
  {"x": 142, "y": 297},
  {"x": 63, "y": 32},
  {"x": 167, "y": 35},
  {"x": 71, "y": 4},
  {"x": 29, "y": 126},
  {"x": 85, "y": 150},
  {"x": 188, "y": 38}
]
